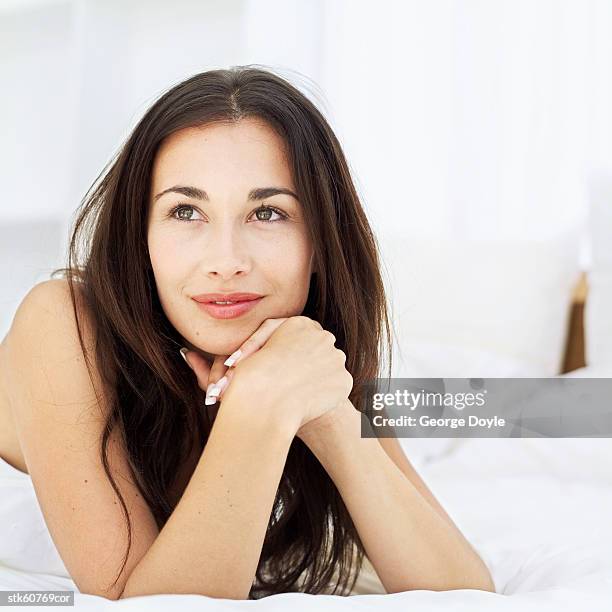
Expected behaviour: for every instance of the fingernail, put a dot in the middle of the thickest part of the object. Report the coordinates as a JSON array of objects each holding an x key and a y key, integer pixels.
[
  {"x": 183, "y": 353},
  {"x": 218, "y": 387},
  {"x": 233, "y": 358},
  {"x": 210, "y": 397}
]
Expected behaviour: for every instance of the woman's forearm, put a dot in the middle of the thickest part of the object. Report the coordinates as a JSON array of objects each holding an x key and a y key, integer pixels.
[
  {"x": 409, "y": 543},
  {"x": 212, "y": 542}
]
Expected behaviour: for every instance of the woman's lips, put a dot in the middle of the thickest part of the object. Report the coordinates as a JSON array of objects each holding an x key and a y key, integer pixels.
[{"x": 228, "y": 311}]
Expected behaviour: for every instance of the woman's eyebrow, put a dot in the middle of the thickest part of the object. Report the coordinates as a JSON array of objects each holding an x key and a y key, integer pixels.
[{"x": 199, "y": 194}]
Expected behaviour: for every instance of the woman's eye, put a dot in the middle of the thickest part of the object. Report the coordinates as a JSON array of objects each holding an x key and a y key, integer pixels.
[
  {"x": 179, "y": 209},
  {"x": 263, "y": 213},
  {"x": 268, "y": 211}
]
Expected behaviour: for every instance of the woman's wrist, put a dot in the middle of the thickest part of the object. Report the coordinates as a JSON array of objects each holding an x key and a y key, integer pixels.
[
  {"x": 333, "y": 422},
  {"x": 283, "y": 421}
]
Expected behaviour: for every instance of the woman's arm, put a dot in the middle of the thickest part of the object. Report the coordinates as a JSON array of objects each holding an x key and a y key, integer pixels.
[
  {"x": 395, "y": 452},
  {"x": 212, "y": 542},
  {"x": 411, "y": 544}
]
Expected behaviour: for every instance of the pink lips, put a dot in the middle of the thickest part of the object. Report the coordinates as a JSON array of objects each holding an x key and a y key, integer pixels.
[
  {"x": 232, "y": 297},
  {"x": 228, "y": 311}
]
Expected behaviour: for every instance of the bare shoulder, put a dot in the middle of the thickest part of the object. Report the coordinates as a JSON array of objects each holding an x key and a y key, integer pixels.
[
  {"x": 60, "y": 412},
  {"x": 43, "y": 303},
  {"x": 45, "y": 326},
  {"x": 52, "y": 293},
  {"x": 50, "y": 303}
]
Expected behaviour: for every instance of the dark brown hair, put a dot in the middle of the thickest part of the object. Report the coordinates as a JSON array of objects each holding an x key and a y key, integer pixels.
[{"x": 155, "y": 399}]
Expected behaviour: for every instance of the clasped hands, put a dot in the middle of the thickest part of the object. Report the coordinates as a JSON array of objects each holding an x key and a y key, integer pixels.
[{"x": 314, "y": 370}]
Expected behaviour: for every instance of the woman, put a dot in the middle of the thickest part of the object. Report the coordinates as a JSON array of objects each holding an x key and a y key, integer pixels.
[{"x": 232, "y": 182}]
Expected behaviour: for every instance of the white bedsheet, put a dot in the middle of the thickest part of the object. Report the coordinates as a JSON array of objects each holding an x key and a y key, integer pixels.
[
  {"x": 544, "y": 531},
  {"x": 547, "y": 542}
]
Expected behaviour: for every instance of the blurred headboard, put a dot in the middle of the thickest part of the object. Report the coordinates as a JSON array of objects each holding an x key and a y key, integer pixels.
[
  {"x": 29, "y": 250},
  {"x": 574, "y": 357}
]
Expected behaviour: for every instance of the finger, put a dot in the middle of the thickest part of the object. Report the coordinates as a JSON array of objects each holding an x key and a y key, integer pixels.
[
  {"x": 200, "y": 366},
  {"x": 215, "y": 390},
  {"x": 228, "y": 377},
  {"x": 259, "y": 337},
  {"x": 217, "y": 370},
  {"x": 217, "y": 380}
]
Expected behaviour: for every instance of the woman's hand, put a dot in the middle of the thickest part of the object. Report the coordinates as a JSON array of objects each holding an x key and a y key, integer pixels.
[
  {"x": 291, "y": 365},
  {"x": 206, "y": 373},
  {"x": 297, "y": 371},
  {"x": 214, "y": 378}
]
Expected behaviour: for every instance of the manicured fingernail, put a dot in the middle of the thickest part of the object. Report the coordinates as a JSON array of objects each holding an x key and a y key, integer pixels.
[
  {"x": 218, "y": 387},
  {"x": 183, "y": 353},
  {"x": 210, "y": 396},
  {"x": 233, "y": 358}
]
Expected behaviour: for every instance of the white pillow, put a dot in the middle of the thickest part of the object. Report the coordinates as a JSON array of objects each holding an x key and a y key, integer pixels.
[
  {"x": 480, "y": 308},
  {"x": 476, "y": 308},
  {"x": 437, "y": 359}
]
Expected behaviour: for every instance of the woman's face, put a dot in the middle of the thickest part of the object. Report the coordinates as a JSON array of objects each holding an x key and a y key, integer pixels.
[{"x": 216, "y": 241}]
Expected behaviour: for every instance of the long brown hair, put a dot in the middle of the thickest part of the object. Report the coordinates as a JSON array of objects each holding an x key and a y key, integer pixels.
[{"x": 155, "y": 400}]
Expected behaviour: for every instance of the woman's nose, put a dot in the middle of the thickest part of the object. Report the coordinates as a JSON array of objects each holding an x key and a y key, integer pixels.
[{"x": 227, "y": 254}]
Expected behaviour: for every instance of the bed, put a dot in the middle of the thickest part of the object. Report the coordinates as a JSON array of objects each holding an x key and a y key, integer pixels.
[
  {"x": 544, "y": 532},
  {"x": 536, "y": 510}
]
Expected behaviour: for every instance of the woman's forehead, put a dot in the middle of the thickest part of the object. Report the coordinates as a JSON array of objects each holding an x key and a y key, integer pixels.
[
  {"x": 244, "y": 151},
  {"x": 245, "y": 134}
]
